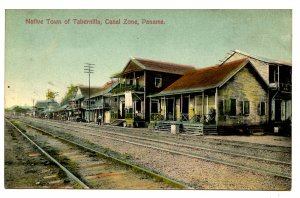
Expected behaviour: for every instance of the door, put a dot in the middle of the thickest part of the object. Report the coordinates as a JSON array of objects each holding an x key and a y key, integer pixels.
[
  {"x": 170, "y": 109},
  {"x": 277, "y": 110},
  {"x": 123, "y": 111},
  {"x": 185, "y": 108}
]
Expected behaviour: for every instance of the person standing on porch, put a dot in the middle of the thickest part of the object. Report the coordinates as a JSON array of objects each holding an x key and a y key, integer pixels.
[{"x": 99, "y": 120}]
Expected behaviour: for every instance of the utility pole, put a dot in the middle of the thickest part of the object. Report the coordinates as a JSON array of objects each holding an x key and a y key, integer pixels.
[{"x": 89, "y": 69}]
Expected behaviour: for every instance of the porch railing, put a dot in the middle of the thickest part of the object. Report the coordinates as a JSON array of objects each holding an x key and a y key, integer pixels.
[
  {"x": 156, "y": 117},
  {"x": 129, "y": 115},
  {"x": 184, "y": 117},
  {"x": 123, "y": 87},
  {"x": 114, "y": 115}
]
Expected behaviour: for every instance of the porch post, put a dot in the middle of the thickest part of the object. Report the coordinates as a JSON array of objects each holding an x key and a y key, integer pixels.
[
  {"x": 150, "y": 108},
  {"x": 145, "y": 95},
  {"x": 174, "y": 101},
  {"x": 207, "y": 104},
  {"x": 278, "y": 75},
  {"x": 118, "y": 106},
  {"x": 103, "y": 104},
  {"x": 216, "y": 106},
  {"x": 165, "y": 108},
  {"x": 189, "y": 107},
  {"x": 202, "y": 103},
  {"x": 181, "y": 104}
]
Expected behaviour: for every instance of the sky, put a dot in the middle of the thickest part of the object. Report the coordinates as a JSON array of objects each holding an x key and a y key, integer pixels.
[{"x": 46, "y": 56}]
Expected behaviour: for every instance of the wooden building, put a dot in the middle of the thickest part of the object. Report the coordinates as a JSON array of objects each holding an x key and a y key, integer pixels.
[
  {"x": 80, "y": 109},
  {"x": 45, "y": 108},
  {"x": 139, "y": 79},
  {"x": 101, "y": 102},
  {"x": 232, "y": 94},
  {"x": 278, "y": 76}
]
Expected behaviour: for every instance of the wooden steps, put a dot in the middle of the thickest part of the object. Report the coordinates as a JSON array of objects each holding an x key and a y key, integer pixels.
[
  {"x": 210, "y": 130},
  {"x": 117, "y": 123},
  {"x": 186, "y": 128},
  {"x": 193, "y": 128},
  {"x": 162, "y": 126}
]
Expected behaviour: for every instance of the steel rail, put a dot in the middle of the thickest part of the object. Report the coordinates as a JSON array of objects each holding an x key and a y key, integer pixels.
[
  {"x": 201, "y": 157},
  {"x": 70, "y": 175},
  {"x": 179, "y": 144},
  {"x": 133, "y": 167},
  {"x": 209, "y": 140}
]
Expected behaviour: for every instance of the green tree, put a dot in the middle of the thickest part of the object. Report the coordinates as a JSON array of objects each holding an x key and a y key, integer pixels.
[
  {"x": 72, "y": 89},
  {"x": 50, "y": 95},
  {"x": 19, "y": 109}
]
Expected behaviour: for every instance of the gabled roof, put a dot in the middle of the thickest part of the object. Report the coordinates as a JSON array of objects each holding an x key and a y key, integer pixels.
[
  {"x": 83, "y": 92},
  {"x": 263, "y": 59},
  {"x": 205, "y": 78},
  {"x": 139, "y": 64},
  {"x": 105, "y": 88},
  {"x": 45, "y": 103}
]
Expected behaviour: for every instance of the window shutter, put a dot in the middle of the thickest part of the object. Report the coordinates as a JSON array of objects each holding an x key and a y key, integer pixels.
[
  {"x": 242, "y": 107},
  {"x": 246, "y": 107},
  {"x": 259, "y": 108},
  {"x": 221, "y": 107},
  {"x": 227, "y": 106}
]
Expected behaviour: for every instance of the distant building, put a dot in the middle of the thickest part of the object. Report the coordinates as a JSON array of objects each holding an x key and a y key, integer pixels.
[
  {"x": 79, "y": 104},
  {"x": 45, "y": 108}
]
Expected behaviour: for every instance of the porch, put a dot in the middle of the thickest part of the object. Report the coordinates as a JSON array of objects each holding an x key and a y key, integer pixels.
[{"x": 194, "y": 113}]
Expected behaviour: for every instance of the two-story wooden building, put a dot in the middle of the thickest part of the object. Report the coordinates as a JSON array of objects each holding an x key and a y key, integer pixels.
[
  {"x": 79, "y": 104},
  {"x": 139, "y": 79},
  {"x": 278, "y": 76},
  {"x": 232, "y": 94},
  {"x": 100, "y": 102}
]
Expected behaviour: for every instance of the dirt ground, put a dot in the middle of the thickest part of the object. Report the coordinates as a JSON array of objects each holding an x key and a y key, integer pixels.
[
  {"x": 26, "y": 168},
  {"x": 258, "y": 139}
]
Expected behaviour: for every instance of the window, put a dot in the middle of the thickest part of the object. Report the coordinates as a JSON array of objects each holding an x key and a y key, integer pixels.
[
  {"x": 131, "y": 81},
  {"x": 273, "y": 74},
  {"x": 245, "y": 107},
  {"x": 158, "y": 82},
  {"x": 221, "y": 107},
  {"x": 230, "y": 107},
  {"x": 262, "y": 108}
]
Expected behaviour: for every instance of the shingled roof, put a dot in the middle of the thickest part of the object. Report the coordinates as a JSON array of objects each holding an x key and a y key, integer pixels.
[
  {"x": 205, "y": 78},
  {"x": 263, "y": 59},
  {"x": 105, "y": 88},
  {"x": 139, "y": 64}
]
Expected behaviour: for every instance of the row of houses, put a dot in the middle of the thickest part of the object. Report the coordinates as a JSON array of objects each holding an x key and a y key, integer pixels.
[{"x": 241, "y": 91}]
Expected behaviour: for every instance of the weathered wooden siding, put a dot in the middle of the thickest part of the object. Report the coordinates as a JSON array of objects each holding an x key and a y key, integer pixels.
[
  {"x": 244, "y": 86},
  {"x": 261, "y": 67},
  {"x": 192, "y": 106},
  {"x": 107, "y": 117},
  {"x": 167, "y": 79},
  {"x": 177, "y": 108},
  {"x": 208, "y": 102},
  {"x": 162, "y": 107}
]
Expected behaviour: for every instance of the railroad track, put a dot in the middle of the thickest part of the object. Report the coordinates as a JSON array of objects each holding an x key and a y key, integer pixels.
[
  {"x": 258, "y": 164},
  {"x": 90, "y": 171},
  {"x": 26, "y": 167},
  {"x": 198, "y": 140},
  {"x": 184, "y": 136},
  {"x": 242, "y": 149}
]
